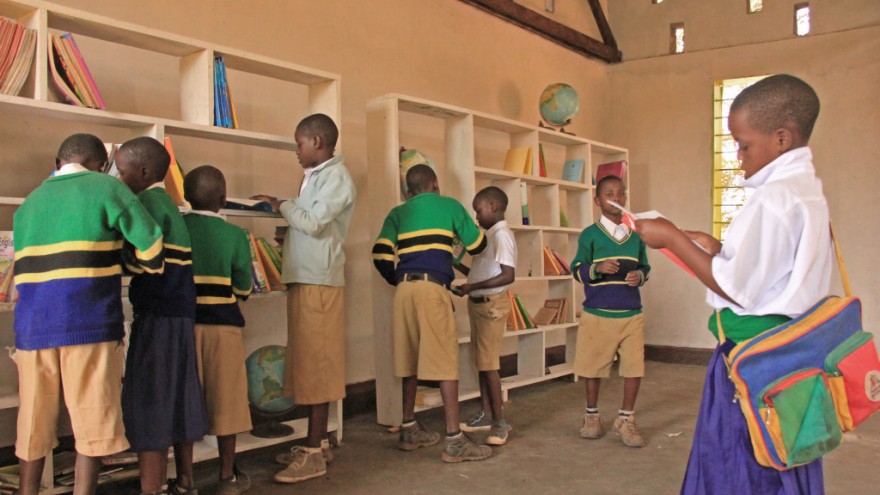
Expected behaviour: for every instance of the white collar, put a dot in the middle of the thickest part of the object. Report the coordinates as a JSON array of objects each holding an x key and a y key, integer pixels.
[
  {"x": 70, "y": 168},
  {"x": 791, "y": 162},
  {"x": 206, "y": 213},
  {"x": 611, "y": 226},
  {"x": 499, "y": 224},
  {"x": 310, "y": 171}
]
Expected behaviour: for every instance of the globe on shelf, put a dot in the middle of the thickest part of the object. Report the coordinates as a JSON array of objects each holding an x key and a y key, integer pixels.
[
  {"x": 409, "y": 158},
  {"x": 558, "y": 105},
  {"x": 265, "y": 379}
]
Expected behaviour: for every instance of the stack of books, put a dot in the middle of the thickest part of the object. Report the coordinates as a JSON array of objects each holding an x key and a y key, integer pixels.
[
  {"x": 553, "y": 312},
  {"x": 17, "y": 47},
  {"x": 428, "y": 397},
  {"x": 554, "y": 264},
  {"x": 266, "y": 260},
  {"x": 224, "y": 108},
  {"x": 7, "y": 262},
  {"x": 519, "y": 318},
  {"x": 70, "y": 75}
]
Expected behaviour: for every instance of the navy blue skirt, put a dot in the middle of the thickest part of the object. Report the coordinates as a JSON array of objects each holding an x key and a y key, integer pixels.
[
  {"x": 722, "y": 460},
  {"x": 162, "y": 401}
]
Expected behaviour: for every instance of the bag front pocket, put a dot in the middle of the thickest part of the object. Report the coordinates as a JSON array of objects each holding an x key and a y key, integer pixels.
[
  {"x": 854, "y": 378},
  {"x": 799, "y": 415}
]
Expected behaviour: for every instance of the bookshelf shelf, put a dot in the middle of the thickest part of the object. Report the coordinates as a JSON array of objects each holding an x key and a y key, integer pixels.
[
  {"x": 462, "y": 139},
  {"x": 191, "y": 116}
]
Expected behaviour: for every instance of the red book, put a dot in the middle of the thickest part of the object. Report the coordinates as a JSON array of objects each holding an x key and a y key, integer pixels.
[{"x": 617, "y": 169}]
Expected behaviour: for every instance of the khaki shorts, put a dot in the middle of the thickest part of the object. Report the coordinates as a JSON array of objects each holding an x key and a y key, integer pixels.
[
  {"x": 314, "y": 371},
  {"x": 220, "y": 353},
  {"x": 488, "y": 323},
  {"x": 90, "y": 377},
  {"x": 599, "y": 339},
  {"x": 423, "y": 331}
]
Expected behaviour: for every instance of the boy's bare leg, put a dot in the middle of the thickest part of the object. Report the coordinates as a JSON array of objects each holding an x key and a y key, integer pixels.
[
  {"x": 593, "y": 391},
  {"x": 492, "y": 394},
  {"x": 318, "y": 417},
  {"x": 183, "y": 462},
  {"x": 29, "y": 476},
  {"x": 410, "y": 385},
  {"x": 86, "y": 474},
  {"x": 630, "y": 392},
  {"x": 226, "y": 446},
  {"x": 153, "y": 466},
  {"x": 449, "y": 394}
]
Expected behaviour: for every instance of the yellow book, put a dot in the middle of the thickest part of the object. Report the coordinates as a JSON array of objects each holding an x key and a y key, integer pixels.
[
  {"x": 273, "y": 276},
  {"x": 519, "y": 160},
  {"x": 174, "y": 178}
]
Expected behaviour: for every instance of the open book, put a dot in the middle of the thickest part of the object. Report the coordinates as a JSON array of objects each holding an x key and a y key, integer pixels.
[{"x": 629, "y": 219}]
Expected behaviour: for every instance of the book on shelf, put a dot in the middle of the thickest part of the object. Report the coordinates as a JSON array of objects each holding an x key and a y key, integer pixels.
[
  {"x": 59, "y": 77},
  {"x": 248, "y": 205},
  {"x": 120, "y": 458},
  {"x": 7, "y": 264},
  {"x": 111, "y": 169},
  {"x": 224, "y": 110},
  {"x": 546, "y": 316},
  {"x": 560, "y": 304},
  {"x": 524, "y": 314},
  {"x": 9, "y": 477},
  {"x": 524, "y": 199},
  {"x": 17, "y": 47},
  {"x": 83, "y": 70},
  {"x": 519, "y": 160},
  {"x": 428, "y": 397},
  {"x": 573, "y": 170},
  {"x": 563, "y": 219},
  {"x": 616, "y": 169},
  {"x": 270, "y": 270},
  {"x": 174, "y": 177},
  {"x": 554, "y": 264},
  {"x": 261, "y": 282},
  {"x": 519, "y": 318},
  {"x": 274, "y": 253},
  {"x": 542, "y": 163}
]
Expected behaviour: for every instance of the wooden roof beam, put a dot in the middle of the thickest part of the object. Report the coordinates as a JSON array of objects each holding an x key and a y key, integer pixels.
[{"x": 554, "y": 31}]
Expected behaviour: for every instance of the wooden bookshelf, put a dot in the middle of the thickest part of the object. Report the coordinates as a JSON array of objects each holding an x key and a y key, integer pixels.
[
  {"x": 468, "y": 148},
  {"x": 191, "y": 118}
]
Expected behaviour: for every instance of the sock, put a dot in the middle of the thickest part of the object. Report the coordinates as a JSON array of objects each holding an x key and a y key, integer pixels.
[
  {"x": 408, "y": 424},
  {"x": 592, "y": 410},
  {"x": 625, "y": 414},
  {"x": 454, "y": 435}
]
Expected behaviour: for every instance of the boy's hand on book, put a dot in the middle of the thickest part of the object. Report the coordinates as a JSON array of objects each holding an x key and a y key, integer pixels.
[
  {"x": 708, "y": 243},
  {"x": 656, "y": 232},
  {"x": 634, "y": 278},
  {"x": 272, "y": 200},
  {"x": 608, "y": 267}
]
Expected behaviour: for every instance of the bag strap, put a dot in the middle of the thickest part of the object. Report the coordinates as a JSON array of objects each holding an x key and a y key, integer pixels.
[{"x": 844, "y": 278}]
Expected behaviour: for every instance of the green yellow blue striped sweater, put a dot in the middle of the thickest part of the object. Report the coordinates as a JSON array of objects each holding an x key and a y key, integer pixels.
[
  {"x": 422, "y": 230},
  {"x": 69, "y": 235},
  {"x": 173, "y": 292},
  {"x": 221, "y": 263},
  {"x": 609, "y": 295}
]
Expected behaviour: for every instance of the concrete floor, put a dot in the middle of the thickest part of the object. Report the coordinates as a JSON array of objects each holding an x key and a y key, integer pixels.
[{"x": 544, "y": 454}]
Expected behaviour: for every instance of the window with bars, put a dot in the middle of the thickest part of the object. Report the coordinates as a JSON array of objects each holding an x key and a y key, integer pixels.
[{"x": 728, "y": 193}]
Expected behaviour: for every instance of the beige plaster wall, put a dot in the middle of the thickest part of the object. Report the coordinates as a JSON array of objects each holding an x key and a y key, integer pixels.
[
  {"x": 435, "y": 49},
  {"x": 662, "y": 111}
]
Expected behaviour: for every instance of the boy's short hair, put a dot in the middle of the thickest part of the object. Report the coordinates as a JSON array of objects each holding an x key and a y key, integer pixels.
[
  {"x": 147, "y": 152},
  {"x": 82, "y": 147},
  {"x": 606, "y": 180},
  {"x": 320, "y": 125},
  {"x": 493, "y": 193},
  {"x": 780, "y": 101},
  {"x": 419, "y": 178},
  {"x": 204, "y": 187}
]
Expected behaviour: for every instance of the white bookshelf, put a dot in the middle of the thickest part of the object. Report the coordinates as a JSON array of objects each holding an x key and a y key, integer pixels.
[
  {"x": 193, "y": 118},
  {"x": 468, "y": 149}
]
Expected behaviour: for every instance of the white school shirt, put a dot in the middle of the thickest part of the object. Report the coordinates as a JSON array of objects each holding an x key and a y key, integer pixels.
[
  {"x": 778, "y": 253},
  {"x": 70, "y": 168},
  {"x": 307, "y": 174},
  {"x": 617, "y": 230},
  {"x": 500, "y": 250}
]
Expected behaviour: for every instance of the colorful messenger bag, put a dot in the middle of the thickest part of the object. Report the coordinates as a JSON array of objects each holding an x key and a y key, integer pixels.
[{"x": 802, "y": 384}]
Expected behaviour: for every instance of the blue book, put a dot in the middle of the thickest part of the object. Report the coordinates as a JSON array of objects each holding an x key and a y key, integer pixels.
[
  {"x": 572, "y": 170},
  {"x": 218, "y": 120}
]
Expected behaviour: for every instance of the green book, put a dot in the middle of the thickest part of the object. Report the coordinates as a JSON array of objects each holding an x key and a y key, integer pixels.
[
  {"x": 527, "y": 319},
  {"x": 273, "y": 255}
]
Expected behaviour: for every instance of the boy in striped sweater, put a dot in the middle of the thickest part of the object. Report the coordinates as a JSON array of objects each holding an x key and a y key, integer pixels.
[
  {"x": 612, "y": 264},
  {"x": 162, "y": 402},
  {"x": 221, "y": 261},
  {"x": 69, "y": 235}
]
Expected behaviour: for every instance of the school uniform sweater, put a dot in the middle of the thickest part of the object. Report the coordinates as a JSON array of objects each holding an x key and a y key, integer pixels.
[
  {"x": 318, "y": 221},
  {"x": 422, "y": 230},
  {"x": 609, "y": 295},
  {"x": 221, "y": 264},
  {"x": 69, "y": 235},
  {"x": 173, "y": 292}
]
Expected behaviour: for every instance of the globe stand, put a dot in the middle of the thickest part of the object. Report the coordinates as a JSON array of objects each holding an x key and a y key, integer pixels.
[
  {"x": 561, "y": 128},
  {"x": 272, "y": 429}
]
